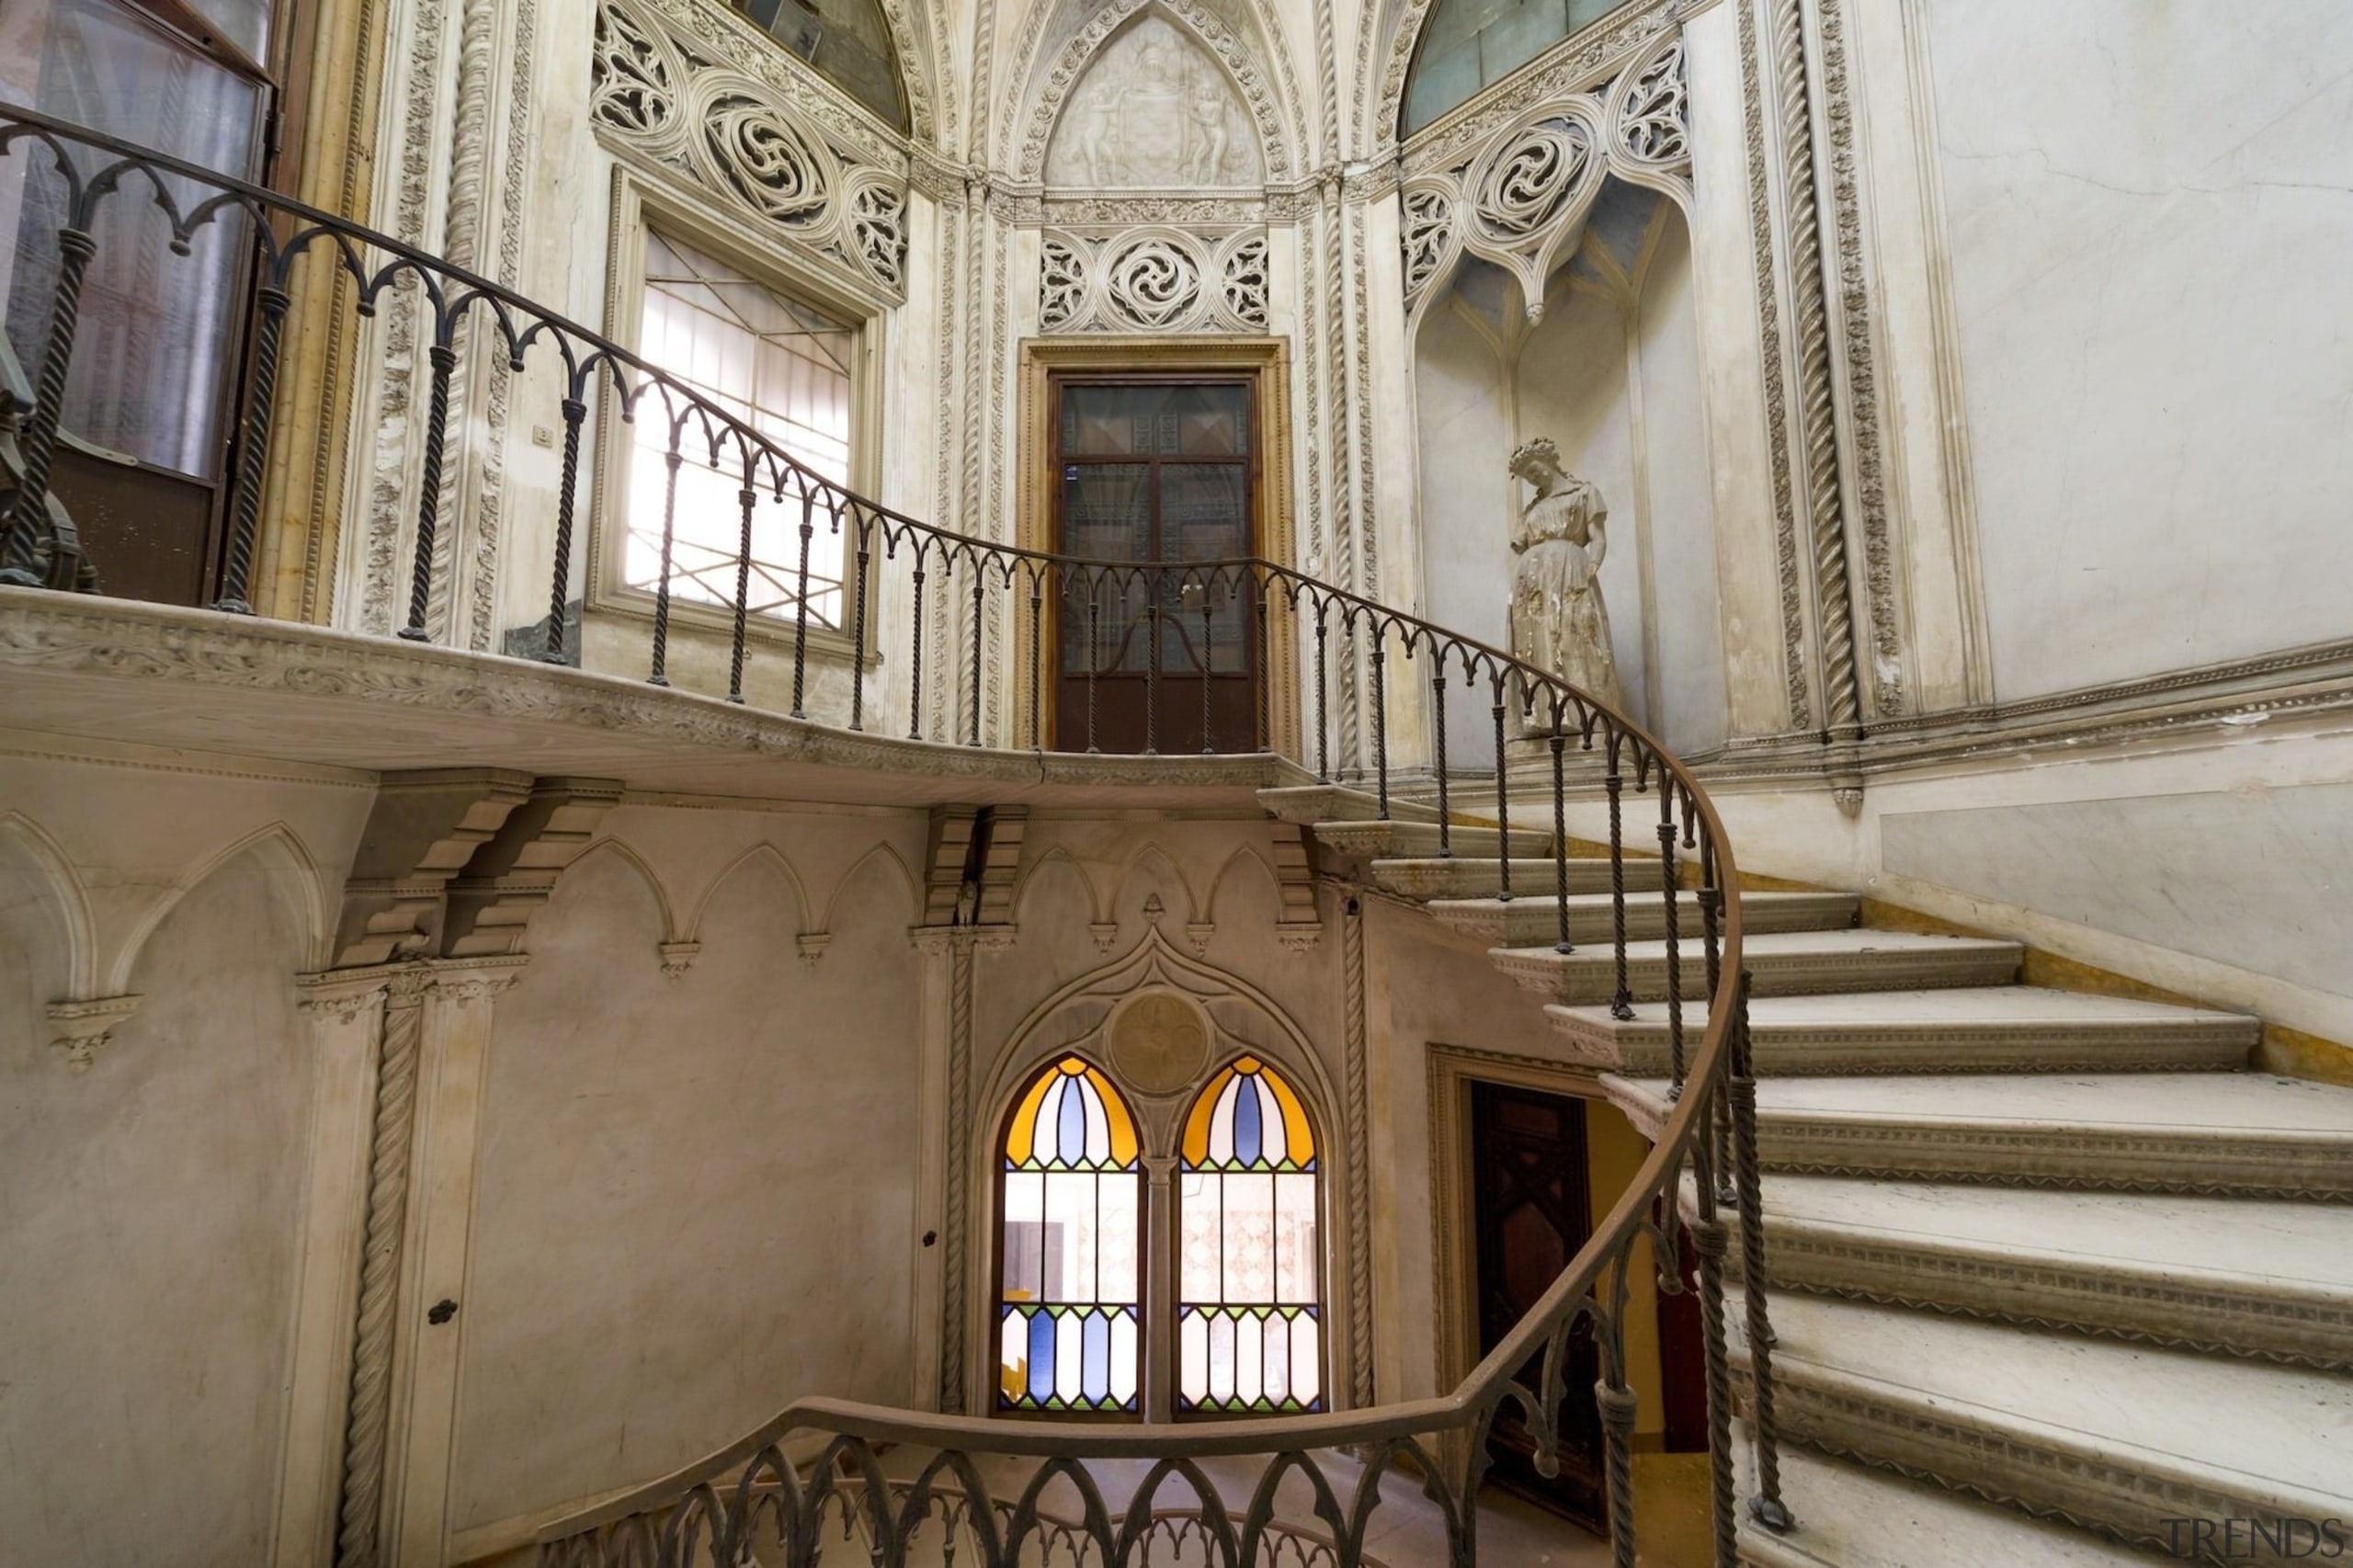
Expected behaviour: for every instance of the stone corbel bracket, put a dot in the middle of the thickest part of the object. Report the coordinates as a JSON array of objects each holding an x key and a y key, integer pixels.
[
  {"x": 1301, "y": 924},
  {"x": 423, "y": 829},
  {"x": 508, "y": 879},
  {"x": 1521, "y": 197},
  {"x": 80, "y": 1028}
]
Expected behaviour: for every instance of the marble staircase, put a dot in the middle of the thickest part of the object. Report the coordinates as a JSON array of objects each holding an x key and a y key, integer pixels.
[{"x": 2059, "y": 1280}]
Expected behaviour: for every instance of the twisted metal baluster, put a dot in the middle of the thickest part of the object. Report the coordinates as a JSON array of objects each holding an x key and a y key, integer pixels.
[
  {"x": 560, "y": 584},
  {"x": 1559, "y": 834},
  {"x": 1445, "y": 807},
  {"x": 1151, "y": 676},
  {"x": 1621, "y": 1001},
  {"x": 428, "y": 506},
  {"x": 29, "y": 520},
  {"x": 1712, "y": 900},
  {"x": 1667, "y": 877},
  {"x": 1381, "y": 713},
  {"x": 1262, "y": 674},
  {"x": 1766, "y": 1506},
  {"x": 1206, "y": 661},
  {"x": 858, "y": 648},
  {"x": 255, "y": 447},
  {"x": 979, "y": 588},
  {"x": 676, "y": 459},
  {"x": 915, "y": 665},
  {"x": 1094, "y": 651},
  {"x": 748, "y": 498},
  {"x": 1037, "y": 622},
  {"x": 799, "y": 591},
  {"x": 1503, "y": 803},
  {"x": 1322, "y": 699},
  {"x": 1708, "y": 1240}
]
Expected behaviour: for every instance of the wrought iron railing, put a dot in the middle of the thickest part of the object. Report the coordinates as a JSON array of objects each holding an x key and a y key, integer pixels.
[{"x": 768, "y": 1497}]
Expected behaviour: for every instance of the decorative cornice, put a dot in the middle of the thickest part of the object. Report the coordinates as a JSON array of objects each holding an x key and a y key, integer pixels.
[{"x": 47, "y": 635}]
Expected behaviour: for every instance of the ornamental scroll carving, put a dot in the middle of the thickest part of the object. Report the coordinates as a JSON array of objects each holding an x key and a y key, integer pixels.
[
  {"x": 1520, "y": 197},
  {"x": 768, "y": 146},
  {"x": 1152, "y": 279}
]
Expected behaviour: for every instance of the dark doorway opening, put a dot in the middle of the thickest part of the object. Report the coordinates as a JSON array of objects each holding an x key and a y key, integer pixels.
[{"x": 1532, "y": 1208}]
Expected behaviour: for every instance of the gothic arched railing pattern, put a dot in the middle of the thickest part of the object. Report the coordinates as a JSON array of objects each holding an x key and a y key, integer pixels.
[{"x": 1007, "y": 1486}]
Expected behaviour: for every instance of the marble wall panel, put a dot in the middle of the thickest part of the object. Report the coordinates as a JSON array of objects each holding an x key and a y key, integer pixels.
[
  {"x": 2254, "y": 878},
  {"x": 2147, "y": 210}
]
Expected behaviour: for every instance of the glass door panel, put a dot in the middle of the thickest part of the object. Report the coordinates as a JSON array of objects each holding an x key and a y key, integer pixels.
[{"x": 1154, "y": 475}]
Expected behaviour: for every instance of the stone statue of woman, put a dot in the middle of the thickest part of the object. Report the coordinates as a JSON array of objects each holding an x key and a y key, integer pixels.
[{"x": 1558, "y": 620}]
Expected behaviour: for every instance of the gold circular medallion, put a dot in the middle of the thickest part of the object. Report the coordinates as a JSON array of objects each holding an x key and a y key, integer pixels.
[{"x": 1160, "y": 1041}]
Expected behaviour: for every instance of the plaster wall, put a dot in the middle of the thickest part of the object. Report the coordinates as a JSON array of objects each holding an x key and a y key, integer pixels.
[
  {"x": 151, "y": 1204},
  {"x": 697, "y": 1195},
  {"x": 2146, "y": 208}
]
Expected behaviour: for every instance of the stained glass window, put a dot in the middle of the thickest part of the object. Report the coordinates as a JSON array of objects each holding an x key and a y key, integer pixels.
[
  {"x": 1249, "y": 1328},
  {"x": 1070, "y": 1311}
]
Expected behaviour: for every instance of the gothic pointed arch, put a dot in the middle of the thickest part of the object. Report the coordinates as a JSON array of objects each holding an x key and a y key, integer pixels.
[
  {"x": 1249, "y": 1270},
  {"x": 1070, "y": 1269},
  {"x": 1228, "y": 119}
]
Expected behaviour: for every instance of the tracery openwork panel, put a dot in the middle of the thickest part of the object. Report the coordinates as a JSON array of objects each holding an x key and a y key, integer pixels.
[
  {"x": 794, "y": 164},
  {"x": 1153, "y": 279},
  {"x": 1520, "y": 197}
]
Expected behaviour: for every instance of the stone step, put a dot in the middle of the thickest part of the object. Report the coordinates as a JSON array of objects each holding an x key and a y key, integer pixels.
[
  {"x": 2007, "y": 1028},
  {"x": 1782, "y": 964},
  {"x": 2226, "y": 1134},
  {"x": 1850, "y": 1516},
  {"x": 1535, "y": 920},
  {"x": 2235, "y": 1275},
  {"x": 1461, "y": 876},
  {"x": 1311, "y": 804},
  {"x": 2117, "y": 1436},
  {"x": 1372, "y": 840}
]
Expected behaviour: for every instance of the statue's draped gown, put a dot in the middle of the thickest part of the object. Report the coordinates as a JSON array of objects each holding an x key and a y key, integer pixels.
[{"x": 1558, "y": 621}]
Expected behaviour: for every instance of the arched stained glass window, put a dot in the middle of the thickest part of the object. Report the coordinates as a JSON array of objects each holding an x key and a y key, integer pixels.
[
  {"x": 1249, "y": 1329},
  {"x": 1070, "y": 1307}
]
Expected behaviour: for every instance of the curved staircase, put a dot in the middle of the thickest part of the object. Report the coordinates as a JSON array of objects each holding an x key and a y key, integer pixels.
[{"x": 2059, "y": 1280}]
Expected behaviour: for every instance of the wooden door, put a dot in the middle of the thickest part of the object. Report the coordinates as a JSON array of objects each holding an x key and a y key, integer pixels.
[
  {"x": 1154, "y": 471},
  {"x": 143, "y": 451},
  {"x": 1531, "y": 1212}
]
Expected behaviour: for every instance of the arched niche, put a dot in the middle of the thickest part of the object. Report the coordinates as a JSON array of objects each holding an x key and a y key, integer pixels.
[{"x": 1608, "y": 368}]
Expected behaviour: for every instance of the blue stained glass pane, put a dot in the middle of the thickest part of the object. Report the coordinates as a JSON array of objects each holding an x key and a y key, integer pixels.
[
  {"x": 1095, "y": 1377},
  {"x": 1069, "y": 1137},
  {"x": 1245, "y": 1124},
  {"x": 1041, "y": 1357}
]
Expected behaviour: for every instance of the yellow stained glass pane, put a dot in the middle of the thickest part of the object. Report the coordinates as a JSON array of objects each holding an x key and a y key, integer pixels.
[
  {"x": 1021, "y": 1139},
  {"x": 1299, "y": 1140},
  {"x": 1196, "y": 1125},
  {"x": 1115, "y": 1110}
]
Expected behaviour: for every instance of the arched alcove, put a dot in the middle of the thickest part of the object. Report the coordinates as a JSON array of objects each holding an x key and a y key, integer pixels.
[{"x": 1608, "y": 367}]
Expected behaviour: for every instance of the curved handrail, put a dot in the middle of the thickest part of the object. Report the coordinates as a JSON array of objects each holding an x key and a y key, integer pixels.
[{"x": 1709, "y": 1131}]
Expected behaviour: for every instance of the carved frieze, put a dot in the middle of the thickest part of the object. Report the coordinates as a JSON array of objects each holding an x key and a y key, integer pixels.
[
  {"x": 1153, "y": 279},
  {"x": 1519, "y": 198},
  {"x": 671, "y": 88}
]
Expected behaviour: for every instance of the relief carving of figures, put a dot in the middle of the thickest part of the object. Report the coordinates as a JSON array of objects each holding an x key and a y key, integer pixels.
[
  {"x": 1559, "y": 623},
  {"x": 1154, "y": 109}
]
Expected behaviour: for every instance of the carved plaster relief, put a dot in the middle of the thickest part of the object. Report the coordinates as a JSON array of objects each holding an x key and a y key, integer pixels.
[
  {"x": 1521, "y": 197},
  {"x": 764, "y": 143},
  {"x": 1154, "y": 109},
  {"x": 1152, "y": 279}
]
